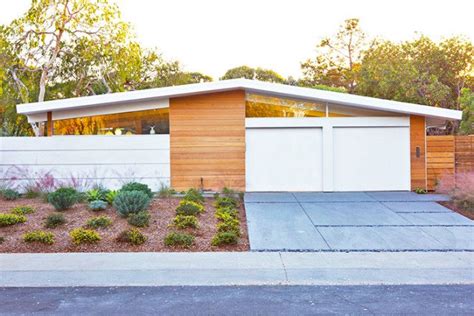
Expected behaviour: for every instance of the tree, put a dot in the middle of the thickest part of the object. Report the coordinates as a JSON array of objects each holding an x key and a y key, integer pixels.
[
  {"x": 418, "y": 71},
  {"x": 337, "y": 60},
  {"x": 467, "y": 106},
  {"x": 71, "y": 48},
  {"x": 253, "y": 73}
]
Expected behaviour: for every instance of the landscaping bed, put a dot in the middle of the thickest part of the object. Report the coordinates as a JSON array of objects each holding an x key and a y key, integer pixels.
[{"x": 162, "y": 211}]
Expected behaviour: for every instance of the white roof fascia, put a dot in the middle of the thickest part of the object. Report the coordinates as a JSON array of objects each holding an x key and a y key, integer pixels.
[{"x": 247, "y": 85}]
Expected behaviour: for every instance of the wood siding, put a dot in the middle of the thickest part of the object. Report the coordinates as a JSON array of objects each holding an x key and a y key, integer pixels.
[
  {"x": 207, "y": 141},
  {"x": 418, "y": 164}
]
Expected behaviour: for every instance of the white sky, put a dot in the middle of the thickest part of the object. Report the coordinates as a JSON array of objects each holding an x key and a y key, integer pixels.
[{"x": 213, "y": 36}]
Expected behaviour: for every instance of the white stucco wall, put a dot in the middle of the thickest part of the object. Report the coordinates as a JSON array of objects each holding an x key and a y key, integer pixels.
[{"x": 106, "y": 160}]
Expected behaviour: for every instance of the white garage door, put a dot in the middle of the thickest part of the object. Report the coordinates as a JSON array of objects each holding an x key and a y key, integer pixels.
[
  {"x": 371, "y": 158},
  {"x": 284, "y": 159}
]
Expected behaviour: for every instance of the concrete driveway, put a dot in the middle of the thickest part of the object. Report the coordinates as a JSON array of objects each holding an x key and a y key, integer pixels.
[{"x": 355, "y": 221}]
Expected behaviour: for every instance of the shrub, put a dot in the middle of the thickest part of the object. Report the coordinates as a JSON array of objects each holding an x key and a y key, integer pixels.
[
  {"x": 420, "y": 191},
  {"x": 127, "y": 202},
  {"x": 132, "y": 236},
  {"x": 222, "y": 202},
  {"x": 39, "y": 236},
  {"x": 110, "y": 196},
  {"x": 135, "y": 186},
  {"x": 174, "y": 239},
  {"x": 97, "y": 205},
  {"x": 140, "y": 219},
  {"x": 54, "y": 220},
  {"x": 194, "y": 195},
  {"x": 225, "y": 238},
  {"x": 232, "y": 226},
  {"x": 99, "y": 222},
  {"x": 165, "y": 191},
  {"x": 11, "y": 219},
  {"x": 32, "y": 192},
  {"x": 63, "y": 198},
  {"x": 460, "y": 188},
  {"x": 96, "y": 194},
  {"x": 186, "y": 207},
  {"x": 185, "y": 221},
  {"x": 22, "y": 210},
  {"x": 225, "y": 214},
  {"x": 84, "y": 236},
  {"x": 10, "y": 194},
  {"x": 2, "y": 240}
]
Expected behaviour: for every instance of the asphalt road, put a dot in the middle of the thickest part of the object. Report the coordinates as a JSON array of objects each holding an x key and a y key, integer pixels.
[{"x": 249, "y": 300}]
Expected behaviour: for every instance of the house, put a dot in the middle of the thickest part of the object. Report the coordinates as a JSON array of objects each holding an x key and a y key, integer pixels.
[{"x": 244, "y": 134}]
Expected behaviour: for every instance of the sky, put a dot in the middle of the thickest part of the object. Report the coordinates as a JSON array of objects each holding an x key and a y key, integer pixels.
[{"x": 211, "y": 36}]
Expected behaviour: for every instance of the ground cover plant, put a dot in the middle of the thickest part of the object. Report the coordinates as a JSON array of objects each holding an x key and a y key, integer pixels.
[
  {"x": 73, "y": 234},
  {"x": 22, "y": 210},
  {"x": 99, "y": 222},
  {"x": 39, "y": 236}
]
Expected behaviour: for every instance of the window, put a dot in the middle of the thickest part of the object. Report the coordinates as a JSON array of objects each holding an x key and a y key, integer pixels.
[
  {"x": 269, "y": 106},
  {"x": 131, "y": 123}
]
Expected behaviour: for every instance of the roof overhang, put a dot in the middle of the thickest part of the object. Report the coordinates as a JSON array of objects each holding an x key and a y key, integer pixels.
[{"x": 238, "y": 84}]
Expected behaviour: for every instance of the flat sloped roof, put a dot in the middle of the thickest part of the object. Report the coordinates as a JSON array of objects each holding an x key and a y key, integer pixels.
[{"x": 239, "y": 84}]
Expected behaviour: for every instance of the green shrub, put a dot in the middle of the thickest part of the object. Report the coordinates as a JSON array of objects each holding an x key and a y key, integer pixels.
[
  {"x": 96, "y": 194},
  {"x": 11, "y": 219},
  {"x": 132, "y": 236},
  {"x": 223, "y": 202},
  {"x": 174, "y": 239},
  {"x": 10, "y": 194},
  {"x": 127, "y": 202},
  {"x": 229, "y": 226},
  {"x": 22, "y": 210},
  {"x": 32, "y": 193},
  {"x": 97, "y": 205},
  {"x": 84, "y": 236},
  {"x": 186, "y": 207},
  {"x": 227, "y": 213},
  {"x": 225, "y": 238},
  {"x": 185, "y": 221},
  {"x": 54, "y": 220},
  {"x": 39, "y": 236},
  {"x": 99, "y": 222},
  {"x": 135, "y": 186},
  {"x": 194, "y": 195},
  {"x": 110, "y": 196},
  {"x": 63, "y": 198},
  {"x": 140, "y": 219},
  {"x": 420, "y": 191},
  {"x": 165, "y": 191}
]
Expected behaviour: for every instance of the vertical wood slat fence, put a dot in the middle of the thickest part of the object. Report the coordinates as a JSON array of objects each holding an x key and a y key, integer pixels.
[{"x": 448, "y": 155}]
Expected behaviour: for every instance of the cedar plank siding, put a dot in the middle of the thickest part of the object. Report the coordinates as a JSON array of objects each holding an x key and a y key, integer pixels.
[
  {"x": 418, "y": 165},
  {"x": 207, "y": 141}
]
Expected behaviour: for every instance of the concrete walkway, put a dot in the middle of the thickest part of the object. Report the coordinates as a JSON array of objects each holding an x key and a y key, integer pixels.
[
  {"x": 355, "y": 221},
  {"x": 244, "y": 268}
]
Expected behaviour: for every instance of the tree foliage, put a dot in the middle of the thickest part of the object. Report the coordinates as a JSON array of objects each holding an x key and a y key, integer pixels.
[
  {"x": 467, "y": 106},
  {"x": 69, "y": 48},
  {"x": 337, "y": 59},
  {"x": 253, "y": 73}
]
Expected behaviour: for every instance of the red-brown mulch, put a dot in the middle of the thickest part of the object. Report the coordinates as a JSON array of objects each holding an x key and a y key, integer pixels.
[
  {"x": 162, "y": 212},
  {"x": 457, "y": 209}
]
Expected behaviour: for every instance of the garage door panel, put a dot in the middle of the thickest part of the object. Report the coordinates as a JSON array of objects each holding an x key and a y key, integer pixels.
[
  {"x": 284, "y": 159},
  {"x": 371, "y": 158}
]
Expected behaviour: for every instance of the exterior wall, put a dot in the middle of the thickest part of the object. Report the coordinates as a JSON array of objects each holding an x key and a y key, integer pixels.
[
  {"x": 207, "y": 141},
  {"x": 418, "y": 164},
  {"x": 107, "y": 160}
]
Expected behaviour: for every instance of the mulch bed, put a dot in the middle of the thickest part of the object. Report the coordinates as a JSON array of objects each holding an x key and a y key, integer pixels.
[
  {"x": 162, "y": 212},
  {"x": 453, "y": 207}
]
